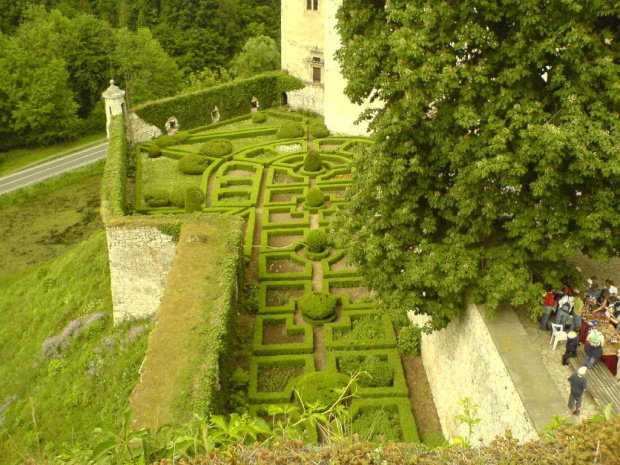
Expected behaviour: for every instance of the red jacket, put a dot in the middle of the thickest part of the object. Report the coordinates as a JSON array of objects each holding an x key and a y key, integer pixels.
[{"x": 549, "y": 299}]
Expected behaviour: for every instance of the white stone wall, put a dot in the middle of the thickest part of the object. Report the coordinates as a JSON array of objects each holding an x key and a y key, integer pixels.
[
  {"x": 462, "y": 361},
  {"x": 140, "y": 258},
  {"x": 309, "y": 98},
  {"x": 140, "y": 131}
]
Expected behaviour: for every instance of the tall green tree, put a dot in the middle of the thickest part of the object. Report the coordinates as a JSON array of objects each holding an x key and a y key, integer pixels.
[
  {"x": 259, "y": 54},
  {"x": 497, "y": 149}
]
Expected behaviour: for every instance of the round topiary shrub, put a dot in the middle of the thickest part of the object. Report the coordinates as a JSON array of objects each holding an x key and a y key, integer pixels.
[
  {"x": 193, "y": 164},
  {"x": 216, "y": 148},
  {"x": 157, "y": 198},
  {"x": 315, "y": 197},
  {"x": 164, "y": 141},
  {"x": 258, "y": 118},
  {"x": 177, "y": 198},
  {"x": 410, "y": 340},
  {"x": 321, "y": 386},
  {"x": 312, "y": 161},
  {"x": 316, "y": 240},
  {"x": 319, "y": 130},
  {"x": 154, "y": 151},
  {"x": 194, "y": 198},
  {"x": 181, "y": 136},
  {"x": 290, "y": 130},
  {"x": 318, "y": 307}
]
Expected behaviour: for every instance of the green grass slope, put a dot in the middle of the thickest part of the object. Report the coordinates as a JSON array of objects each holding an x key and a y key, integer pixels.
[{"x": 63, "y": 365}]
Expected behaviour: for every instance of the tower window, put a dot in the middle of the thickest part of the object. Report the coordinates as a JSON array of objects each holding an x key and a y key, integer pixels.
[
  {"x": 312, "y": 4},
  {"x": 316, "y": 74}
]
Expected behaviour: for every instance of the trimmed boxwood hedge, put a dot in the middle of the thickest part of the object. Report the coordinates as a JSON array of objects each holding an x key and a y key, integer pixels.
[
  {"x": 318, "y": 130},
  {"x": 388, "y": 341},
  {"x": 216, "y": 148},
  {"x": 194, "y": 199},
  {"x": 315, "y": 197},
  {"x": 407, "y": 427},
  {"x": 312, "y": 161},
  {"x": 288, "y": 307},
  {"x": 267, "y": 233},
  {"x": 258, "y": 118},
  {"x": 324, "y": 387},
  {"x": 290, "y": 130},
  {"x": 305, "y": 347},
  {"x": 317, "y": 241},
  {"x": 317, "y": 307},
  {"x": 264, "y": 259},
  {"x": 302, "y": 218},
  {"x": 193, "y": 164},
  {"x": 113, "y": 184},
  {"x": 157, "y": 198},
  {"x": 154, "y": 151},
  {"x": 306, "y": 361},
  {"x": 232, "y": 99}
]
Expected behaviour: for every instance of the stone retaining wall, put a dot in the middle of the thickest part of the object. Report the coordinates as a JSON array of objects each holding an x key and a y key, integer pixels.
[
  {"x": 310, "y": 97},
  {"x": 462, "y": 361},
  {"x": 140, "y": 258},
  {"x": 140, "y": 131}
]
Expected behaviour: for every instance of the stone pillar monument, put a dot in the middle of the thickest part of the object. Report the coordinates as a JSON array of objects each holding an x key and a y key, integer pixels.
[{"x": 114, "y": 99}]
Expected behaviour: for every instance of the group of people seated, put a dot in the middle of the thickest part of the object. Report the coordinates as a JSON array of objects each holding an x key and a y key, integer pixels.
[{"x": 600, "y": 301}]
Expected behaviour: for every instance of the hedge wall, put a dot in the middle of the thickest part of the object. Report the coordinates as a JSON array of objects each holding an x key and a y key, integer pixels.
[
  {"x": 232, "y": 99},
  {"x": 113, "y": 185}
]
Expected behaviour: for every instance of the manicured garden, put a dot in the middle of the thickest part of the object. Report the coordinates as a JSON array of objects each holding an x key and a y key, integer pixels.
[{"x": 316, "y": 324}]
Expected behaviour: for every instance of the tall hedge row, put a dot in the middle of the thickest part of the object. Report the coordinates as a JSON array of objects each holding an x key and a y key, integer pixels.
[
  {"x": 232, "y": 99},
  {"x": 115, "y": 172}
]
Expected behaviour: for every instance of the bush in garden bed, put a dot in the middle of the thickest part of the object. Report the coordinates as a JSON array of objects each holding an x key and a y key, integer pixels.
[
  {"x": 286, "y": 307},
  {"x": 177, "y": 197},
  {"x": 264, "y": 258},
  {"x": 316, "y": 241},
  {"x": 290, "y": 130},
  {"x": 318, "y": 130},
  {"x": 407, "y": 426},
  {"x": 312, "y": 161},
  {"x": 305, "y": 347},
  {"x": 259, "y": 117},
  {"x": 193, "y": 164},
  {"x": 315, "y": 197},
  {"x": 163, "y": 141},
  {"x": 284, "y": 396},
  {"x": 363, "y": 338},
  {"x": 377, "y": 370},
  {"x": 216, "y": 148},
  {"x": 157, "y": 198},
  {"x": 399, "y": 385},
  {"x": 153, "y": 151},
  {"x": 317, "y": 307},
  {"x": 181, "y": 136},
  {"x": 194, "y": 199},
  {"x": 324, "y": 387}
]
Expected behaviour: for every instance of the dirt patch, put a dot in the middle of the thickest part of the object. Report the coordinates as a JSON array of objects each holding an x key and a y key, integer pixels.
[
  {"x": 329, "y": 147},
  {"x": 284, "y": 266},
  {"x": 354, "y": 293},
  {"x": 239, "y": 173},
  {"x": 282, "y": 197},
  {"x": 341, "y": 265},
  {"x": 283, "y": 241},
  {"x": 283, "y": 218},
  {"x": 275, "y": 333},
  {"x": 420, "y": 395},
  {"x": 320, "y": 355},
  {"x": 282, "y": 179},
  {"x": 338, "y": 310},
  {"x": 280, "y": 297}
]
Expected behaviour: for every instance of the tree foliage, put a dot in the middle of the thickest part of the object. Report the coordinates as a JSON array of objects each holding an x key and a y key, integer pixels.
[
  {"x": 259, "y": 54},
  {"x": 496, "y": 152}
]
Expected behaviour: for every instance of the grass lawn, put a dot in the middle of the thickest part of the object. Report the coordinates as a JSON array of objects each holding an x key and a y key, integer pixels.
[
  {"x": 163, "y": 173},
  {"x": 15, "y": 159},
  {"x": 88, "y": 371}
]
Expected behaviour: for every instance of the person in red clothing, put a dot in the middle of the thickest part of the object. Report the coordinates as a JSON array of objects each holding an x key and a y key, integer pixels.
[{"x": 549, "y": 306}]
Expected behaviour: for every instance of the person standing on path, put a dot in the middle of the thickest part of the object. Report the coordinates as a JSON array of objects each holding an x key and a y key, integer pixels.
[{"x": 578, "y": 385}]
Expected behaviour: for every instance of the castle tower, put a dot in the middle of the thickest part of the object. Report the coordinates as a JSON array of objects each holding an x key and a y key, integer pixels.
[
  {"x": 309, "y": 43},
  {"x": 114, "y": 99}
]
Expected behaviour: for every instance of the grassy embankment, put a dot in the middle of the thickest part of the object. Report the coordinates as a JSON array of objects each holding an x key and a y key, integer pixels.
[
  {"x": 64, "y": 368},
  {"x": 16, "y": 159}
]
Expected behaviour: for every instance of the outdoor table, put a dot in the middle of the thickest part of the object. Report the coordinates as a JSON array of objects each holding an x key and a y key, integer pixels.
[{"x": 612, "y": 338}]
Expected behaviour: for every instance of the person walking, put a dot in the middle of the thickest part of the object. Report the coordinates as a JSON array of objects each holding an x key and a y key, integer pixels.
[{"x": 578, "y": 385}]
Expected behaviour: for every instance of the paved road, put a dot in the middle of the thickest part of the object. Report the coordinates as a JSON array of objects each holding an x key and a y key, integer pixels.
[{"x": 53, "y": 168}]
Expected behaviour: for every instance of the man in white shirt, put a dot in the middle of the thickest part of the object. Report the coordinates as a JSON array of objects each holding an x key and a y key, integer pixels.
[{"x": 565, "y": 307}]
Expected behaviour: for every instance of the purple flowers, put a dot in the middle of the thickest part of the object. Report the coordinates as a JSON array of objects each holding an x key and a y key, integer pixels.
[{"x": 54, "y": 346}]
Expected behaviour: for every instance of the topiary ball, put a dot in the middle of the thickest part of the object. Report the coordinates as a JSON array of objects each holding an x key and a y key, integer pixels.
[
  {"x": 194, "y": 198},
  {"x": 316, "y": 240},
  {"x": 154, "y": 151},
  {"x": 216, "y": 148},
  {"x": 317, "y": 307},
  {"x": 181, "y": 136},
  {"x": 312, "y": 161},
  {"x": 319, "y": 130},
  {"x": 321, "y": 386},
  {"x": 193, "y": 164},
  {"x": 290, "y": 130},
  {"x": 315, "y": 197},
  {"x": 157, "y": 198},
  {"x": 258, "y": 118},
  {"x": 177, "y": 197}
]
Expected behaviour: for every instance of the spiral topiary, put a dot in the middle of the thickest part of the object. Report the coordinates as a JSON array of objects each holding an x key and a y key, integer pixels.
[
  {"x": 290, "y": 130},
  {"x": 312, "y": 161},
  {"x": 316, "y": 240},
  {"x": 193, "y": 164},
  {"x": 318, "y": 307},
  {"x": 216, "y": 148},
  {"x": 315, "y": 197}
]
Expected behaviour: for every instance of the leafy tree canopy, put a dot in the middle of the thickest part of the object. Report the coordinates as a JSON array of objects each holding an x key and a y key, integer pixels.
[
  {"x": 259, "y": 54},
  {"x": 497, "y": 150}
]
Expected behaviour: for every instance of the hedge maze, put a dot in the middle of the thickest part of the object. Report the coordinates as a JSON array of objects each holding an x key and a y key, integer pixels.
[{"x": 268, "y": 184}]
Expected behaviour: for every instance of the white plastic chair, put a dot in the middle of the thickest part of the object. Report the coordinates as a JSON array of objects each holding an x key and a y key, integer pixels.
[{"x": 557, "y": 334}]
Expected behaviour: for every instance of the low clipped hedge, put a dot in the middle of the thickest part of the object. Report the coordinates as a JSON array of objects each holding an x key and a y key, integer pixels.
[
  {"x": 290, "y": 130},
  {"x": 181, "y": 136},
  {"x": 289, "y": 306},
  {"x": 357, "y": 340},
  {"x": 264, "y": 259},
  {"x": 317, "y": 307},
  {"x": 315, "y": 197},
  {"x": 312, "y": 161},
  {"x": 194, "y": 199},
  {"x": 193, "y": 164},
  {"x": 302, "y": 218},
  {"x": 154, "y": 151},
  {"x": 305, "y": 347},
  {"x": 285, "y": 396},
  {"x": 164, "y": 141},
  {"x": 216, "y": 148},
  {"x": 377, "y": 371},
  {"x": 324, "y": 387},
  {"x": 113, "y": 184},
  {"x": 232, "y": 99},
  {"x": 258, "y": 118},
  {"x": 328, "y": 273},
  {"x": 157, "y": 198},
  {"x": 266, "y": 234}
]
